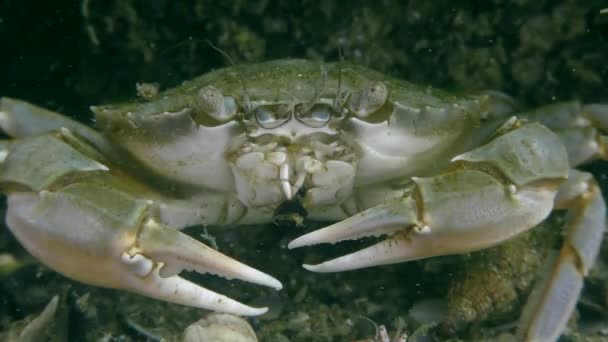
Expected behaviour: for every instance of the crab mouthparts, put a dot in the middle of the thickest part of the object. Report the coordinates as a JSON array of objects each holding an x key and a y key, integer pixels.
[{"x": 284, "y": 179}]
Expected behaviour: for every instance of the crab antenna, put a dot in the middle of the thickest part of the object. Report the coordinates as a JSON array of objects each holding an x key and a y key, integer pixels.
[
  {"x": 318, "y": 90},
  {"x": 338, "y": 99},
  {"x": 323, "y": 82},
  {"x": 246, "y": 103}
]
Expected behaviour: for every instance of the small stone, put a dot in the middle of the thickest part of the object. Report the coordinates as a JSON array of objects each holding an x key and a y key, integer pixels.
[{"x": 220, "y": 327}]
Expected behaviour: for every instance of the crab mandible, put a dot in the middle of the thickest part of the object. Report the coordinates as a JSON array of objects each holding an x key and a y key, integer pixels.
[{"x": 348, "y": 143}]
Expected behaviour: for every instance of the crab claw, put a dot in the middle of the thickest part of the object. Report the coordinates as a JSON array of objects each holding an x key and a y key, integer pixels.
[
  {"x": 458, "y": 212},
  {"x": 172, "y": 252},
  {"x": 383, "y": 219},
  {"x": 398, "y": 218},
  {"x": 108, "y": 240},
  {"x": 400, "y": 248}
]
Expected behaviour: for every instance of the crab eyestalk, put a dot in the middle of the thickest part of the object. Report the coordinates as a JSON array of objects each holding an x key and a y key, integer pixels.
[
  {"x": 211, "y": 102},
  {"x": 369, "y": 99}
]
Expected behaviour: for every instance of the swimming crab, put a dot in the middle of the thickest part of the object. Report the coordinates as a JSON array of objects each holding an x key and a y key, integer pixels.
[{"x": 436, "y": 173}]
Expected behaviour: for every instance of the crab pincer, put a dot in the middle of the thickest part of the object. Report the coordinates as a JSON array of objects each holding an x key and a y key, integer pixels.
[
  {"x": 98, "y": 232},
  {"x": 140, "y": 255}
]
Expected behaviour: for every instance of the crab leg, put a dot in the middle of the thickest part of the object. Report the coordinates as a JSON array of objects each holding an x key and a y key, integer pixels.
[
  {"x": 81, "y": 218},
  {"x": 579, "y": 127},
  {"x": 66, "y": 232},
  {"x": 488, "y": 195},
  {"x": 20, "y": 119},
  {"x": 553, "y": 300}
]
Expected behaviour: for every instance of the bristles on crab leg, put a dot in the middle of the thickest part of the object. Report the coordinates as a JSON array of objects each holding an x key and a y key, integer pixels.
[{"x": 385, "y": 219}]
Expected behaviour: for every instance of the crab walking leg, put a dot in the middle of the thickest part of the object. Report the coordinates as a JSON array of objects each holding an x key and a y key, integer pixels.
[
  {"x": 584, "y": 144},
  {"x": 554, "y": 298},
  {"x": 487, "y": 195},
  {"x": 580, "y": 128},
  {"x": 20, "y": 119},
  {"x": 598, "y": 114},
  {"x": 563, "y": 115}
]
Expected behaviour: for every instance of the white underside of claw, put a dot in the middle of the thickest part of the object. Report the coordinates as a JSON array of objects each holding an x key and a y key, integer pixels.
[
  {"x": 179, "y": 252},
  {"x": 181, "y": 291},
  {"x": 69, "y": 235}
]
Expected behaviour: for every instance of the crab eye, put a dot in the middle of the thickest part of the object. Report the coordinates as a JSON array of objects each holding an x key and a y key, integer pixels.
[
  {"x": 213, "y": 103},
  {"x": 316, "y": 117},
  {"x": 271, "y": 117},
  {"x": 369, "y": 100}
]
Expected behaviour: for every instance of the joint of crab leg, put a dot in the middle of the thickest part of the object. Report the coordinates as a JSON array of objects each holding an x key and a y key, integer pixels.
[
  {"x": 178, "y": 251},
  {"x": 138, "y": 263},
  {"x": 424, "y": 230},
  {"x": 598, "y": 114},
  {"x": 588, "y": 222},
  {"x": 549, "y": 307}
]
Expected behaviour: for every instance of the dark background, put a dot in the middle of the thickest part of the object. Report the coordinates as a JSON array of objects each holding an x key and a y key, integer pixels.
[{"x": 67, "y": 55}]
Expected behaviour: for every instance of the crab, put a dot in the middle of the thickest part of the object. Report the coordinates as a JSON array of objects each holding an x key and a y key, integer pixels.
[{"x": 434, "y": 173}]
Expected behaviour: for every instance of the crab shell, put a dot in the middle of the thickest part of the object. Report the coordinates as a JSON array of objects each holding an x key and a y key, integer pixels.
[{"x": 270, "y": 130}]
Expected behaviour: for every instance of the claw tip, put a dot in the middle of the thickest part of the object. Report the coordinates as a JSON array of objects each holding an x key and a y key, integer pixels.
[
  {"x": 295, "y": 244},
  {"x": 255, "y": 312},
  {"x": 313, "y": 268},
  {"x": 275, "y": 284}
]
